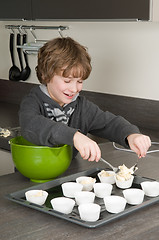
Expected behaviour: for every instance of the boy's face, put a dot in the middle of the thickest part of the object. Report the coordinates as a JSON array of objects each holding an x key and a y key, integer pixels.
[{"x": 63, "y": 90}]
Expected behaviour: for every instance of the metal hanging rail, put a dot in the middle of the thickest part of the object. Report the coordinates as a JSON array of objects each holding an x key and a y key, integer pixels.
[
  {"x": 33, "y": 47},
  {"x": 36, "y": 27}
]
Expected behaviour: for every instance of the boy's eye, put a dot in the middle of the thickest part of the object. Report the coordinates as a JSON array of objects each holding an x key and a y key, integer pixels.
[{"x": 67, "y": 81}]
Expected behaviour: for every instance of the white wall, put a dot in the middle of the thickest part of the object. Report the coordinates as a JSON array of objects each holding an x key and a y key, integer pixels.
[{"x": 125, "y": 55}]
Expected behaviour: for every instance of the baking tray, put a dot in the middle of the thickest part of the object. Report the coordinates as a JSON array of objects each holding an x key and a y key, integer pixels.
[{"x": 54, "y": 189}]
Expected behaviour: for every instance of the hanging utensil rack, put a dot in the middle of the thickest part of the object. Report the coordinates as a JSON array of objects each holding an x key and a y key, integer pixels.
[
  {"x": 61, "y": 28},
  {"x": 33, "y": 47}
]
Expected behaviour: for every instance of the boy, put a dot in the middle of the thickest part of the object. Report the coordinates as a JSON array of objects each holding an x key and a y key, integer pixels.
[{"x": 54, "y": 113}]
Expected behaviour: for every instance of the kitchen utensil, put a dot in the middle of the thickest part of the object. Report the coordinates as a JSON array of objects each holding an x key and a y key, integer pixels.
[
  {"x": 40, "y": 163},
  {"x": 22, "y": 74},
  {"x": 25, "y": 72},
  {"x": 27, "y": 69},
  {"x": 134, "y": 168},
  {"x": 14, "y": 71},
  {"x": 115, "y": 169}
]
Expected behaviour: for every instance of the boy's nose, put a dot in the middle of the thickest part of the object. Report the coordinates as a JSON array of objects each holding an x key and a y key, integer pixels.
[{"x": 73, "y": 87}]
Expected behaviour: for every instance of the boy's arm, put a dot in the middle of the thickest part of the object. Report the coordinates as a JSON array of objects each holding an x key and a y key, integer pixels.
[
  {"x": 139, "y": 143},
  {"x": 87, "y": 148},
  {"x": 40, "y": 130}
]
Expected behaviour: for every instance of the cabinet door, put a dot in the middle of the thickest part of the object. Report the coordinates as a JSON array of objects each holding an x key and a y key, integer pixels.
[
  {"x": 155, "y": 11},
  {"x": 6, "y": 162},
  {"x": 15, "y": 9},
  {"x": 88, "y": 9}
]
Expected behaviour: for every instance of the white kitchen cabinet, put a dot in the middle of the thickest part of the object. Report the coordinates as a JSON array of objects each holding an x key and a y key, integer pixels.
[
  {"x": 6, "y": 163},
  {"x": 155, "y": 10}
]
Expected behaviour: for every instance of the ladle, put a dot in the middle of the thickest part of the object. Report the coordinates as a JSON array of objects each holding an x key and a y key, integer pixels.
[
  {"x": 25, "y": 72},
  {"x": 14, "y": 71},
  {"x": 27, "y": 69}
]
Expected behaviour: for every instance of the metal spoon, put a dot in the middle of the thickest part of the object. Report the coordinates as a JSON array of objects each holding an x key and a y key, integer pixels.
[
  {"x": 115, "y": 169},
  {"x": 134, "y": 168}
]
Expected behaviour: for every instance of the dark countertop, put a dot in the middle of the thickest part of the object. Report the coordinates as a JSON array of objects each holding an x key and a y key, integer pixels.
[{"x": 19, "y": 222}]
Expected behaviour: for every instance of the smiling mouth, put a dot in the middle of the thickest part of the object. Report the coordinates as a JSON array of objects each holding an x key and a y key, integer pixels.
[{"x": 69, "y": 95}]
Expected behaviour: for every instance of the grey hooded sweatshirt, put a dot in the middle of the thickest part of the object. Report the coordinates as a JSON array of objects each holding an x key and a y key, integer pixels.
[{"x": 44, "y": 122}]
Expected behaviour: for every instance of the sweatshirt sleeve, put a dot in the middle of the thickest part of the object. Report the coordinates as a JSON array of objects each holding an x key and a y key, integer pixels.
[
  {"x": 41, "y": 130},
  {"x": 108, "y": 125}
]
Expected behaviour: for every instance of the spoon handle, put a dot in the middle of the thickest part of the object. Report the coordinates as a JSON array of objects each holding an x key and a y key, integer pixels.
[
  {"x": 112, "y": 167},
  {"x": 19, "y": 50},
  {"x": 11, "y": 47},
  {"x": 25, "y": 55}
]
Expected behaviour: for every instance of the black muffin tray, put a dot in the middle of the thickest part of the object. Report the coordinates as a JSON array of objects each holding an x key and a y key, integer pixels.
[{"x": 54, "y": 190}]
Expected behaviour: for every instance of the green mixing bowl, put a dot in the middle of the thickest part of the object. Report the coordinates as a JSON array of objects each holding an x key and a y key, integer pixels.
[{"x": 40, "y": 163}]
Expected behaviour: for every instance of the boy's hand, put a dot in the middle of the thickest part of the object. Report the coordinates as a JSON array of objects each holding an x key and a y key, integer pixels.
[
  {"x": 139, "y": 143},
  {"x": 87, "y": 148}
]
